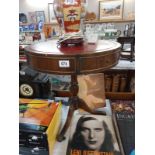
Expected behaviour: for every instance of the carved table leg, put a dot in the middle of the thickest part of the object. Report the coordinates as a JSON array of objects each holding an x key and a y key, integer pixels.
[{"x": 73, "y": 103}]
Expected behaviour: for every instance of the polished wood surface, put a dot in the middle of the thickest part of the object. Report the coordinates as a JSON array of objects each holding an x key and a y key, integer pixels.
[
  {"x": 110, "y": 21},
  {"x": 88, "y": 58}
]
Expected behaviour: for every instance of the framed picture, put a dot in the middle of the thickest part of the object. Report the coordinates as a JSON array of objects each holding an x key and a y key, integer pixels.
[
  {"x": 40, "y": 16},
  {"x": 51, "y": 14},
  {"x": 85, "y": 1},
  {"x": 32, "y": 17},
  {"x": 110, "y": 9}
]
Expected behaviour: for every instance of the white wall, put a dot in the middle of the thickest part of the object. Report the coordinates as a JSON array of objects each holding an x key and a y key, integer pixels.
[
  {"x": 26, "y": 6},
  {"x": 129, "y": 6}
]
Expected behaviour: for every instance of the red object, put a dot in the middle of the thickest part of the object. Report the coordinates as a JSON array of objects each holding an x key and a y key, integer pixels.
[{"x": 70, "y": 13}]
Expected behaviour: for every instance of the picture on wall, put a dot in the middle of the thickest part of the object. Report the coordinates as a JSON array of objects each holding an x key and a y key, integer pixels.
[
  {"x": 32, "y": 17},
  {"x": 40, "y": 16},
  {"x": 51, "y": 14},
  {"x": 110, "y": 9}
]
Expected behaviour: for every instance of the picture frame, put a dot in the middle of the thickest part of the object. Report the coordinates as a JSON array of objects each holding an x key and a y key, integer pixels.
[
  {"x": 110, "y": 9},
  {"x": 51, "y": 15},
  {"x": 85, "y": 1},
  {"x": 40, "y": 16},
  {"x": 32, "y": 17}
]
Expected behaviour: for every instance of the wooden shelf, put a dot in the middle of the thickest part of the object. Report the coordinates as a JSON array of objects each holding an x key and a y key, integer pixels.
[
  {"x": 30, "y": 31},
  {"x": 22, "y": 60},
  {"x": 109, "y": 95},
  {"x": 25, "y": 24},
  {"x": 62, "y": 93},
  {"x": 120, "y": 95},
  {"x": 126, "y": 95},
  {"x": 110, "y": 21}
]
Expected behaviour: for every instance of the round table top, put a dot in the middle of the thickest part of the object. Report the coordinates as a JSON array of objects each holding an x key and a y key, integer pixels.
[
  {"x": 50, "y": 48},
  {"x": 88, "y": 58}
]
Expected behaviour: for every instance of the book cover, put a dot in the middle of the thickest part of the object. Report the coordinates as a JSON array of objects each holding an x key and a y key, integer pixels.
[
  {"x": 39, "y": 122},
  {"x": 123, "y": 83},
  {"x": 92, "y": 135},
  {"x": 124, "y": 122},
  {"x": 132, "y": 85},
  {"x": 115, "y": 83},
  {"x": 106, "y": 110},
  {"x": 108, "y": 83},
  {"x": 126, "y": 106}
]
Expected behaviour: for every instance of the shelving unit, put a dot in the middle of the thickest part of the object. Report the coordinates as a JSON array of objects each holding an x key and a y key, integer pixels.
[
  {"x": 27, "y": 37},
  {"x": 30, "y": 31},
  {"x": 128, "y": 69},
  {"x": 125, "y": 68},
  {"x": 25, "y": 24},
  {"x": 126, "y": 95},
  {"x": 128, "y": 92},
  {"x": 110, "y": 21}
]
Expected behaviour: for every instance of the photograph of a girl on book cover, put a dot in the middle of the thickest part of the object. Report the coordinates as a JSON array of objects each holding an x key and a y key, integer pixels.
[{"x": 93, "y": 135}]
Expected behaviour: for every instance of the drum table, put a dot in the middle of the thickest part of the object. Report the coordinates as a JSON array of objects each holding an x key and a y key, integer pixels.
[{"x": 88, "y": 58}]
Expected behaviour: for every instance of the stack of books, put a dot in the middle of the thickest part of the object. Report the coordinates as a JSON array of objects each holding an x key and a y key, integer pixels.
[
  {"x": 111, "y": 134},
  {"x": 39, "y": 122},
  {"x": 116, "y": 82}
]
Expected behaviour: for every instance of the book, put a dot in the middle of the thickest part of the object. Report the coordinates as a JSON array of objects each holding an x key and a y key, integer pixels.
[
  {"x": 125, "y": 126},
  {"x": 132, "y": 85},
  {"x": 124, "y": 122},
  {"x": 39, "y": 122},
  {"x": 108, "y": 83},
  {"x": 102, "y": 110},
  {"x": 60, "y": 148},
  {"x": 124, "y": 106},
  {"x": 123, "y": 82},
  {"x": 115, "y": 83},
  {"x": 92, "y": 135}
]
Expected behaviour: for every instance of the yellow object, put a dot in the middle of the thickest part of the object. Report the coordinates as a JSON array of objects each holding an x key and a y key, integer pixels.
[
  {"x": 41, "y": 116},
  {"x": 47, "y": 29},
  {"x": 53, "y": 128}
]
